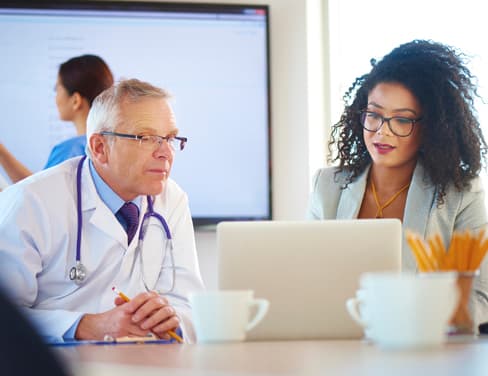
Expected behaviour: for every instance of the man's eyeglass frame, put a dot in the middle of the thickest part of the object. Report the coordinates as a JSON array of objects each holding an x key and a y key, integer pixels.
[{"x": 161, "y": 139}]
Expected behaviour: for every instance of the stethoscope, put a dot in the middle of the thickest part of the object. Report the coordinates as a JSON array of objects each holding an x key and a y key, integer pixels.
[{"x": 78, "y": 272}]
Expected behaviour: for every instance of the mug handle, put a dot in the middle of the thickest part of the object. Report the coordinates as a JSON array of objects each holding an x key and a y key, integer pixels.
[
  {"x": 262, "y": 309},
  {"x": 352, "y": 306}
]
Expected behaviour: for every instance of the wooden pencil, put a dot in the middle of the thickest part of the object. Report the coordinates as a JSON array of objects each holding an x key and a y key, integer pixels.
[
  {"x": 465, "y": 253},
  {"x": 416, "y": 252}
]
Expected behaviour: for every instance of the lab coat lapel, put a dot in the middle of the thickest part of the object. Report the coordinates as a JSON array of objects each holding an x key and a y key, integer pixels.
[
  {"x": 421, "y": 195},
  {"x": 131, "y": 257},
  {"x": 154, "y": 249},
  {"x": 352, "y": 198},
  {"x": 102, "y": 217}
]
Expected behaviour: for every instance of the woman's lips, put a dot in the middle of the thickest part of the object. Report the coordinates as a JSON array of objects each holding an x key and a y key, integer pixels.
[{"x": 383, "y": 148}]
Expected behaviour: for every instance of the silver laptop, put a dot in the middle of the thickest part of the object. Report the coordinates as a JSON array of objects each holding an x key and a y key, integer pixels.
[{"x": 307, "y": 270}]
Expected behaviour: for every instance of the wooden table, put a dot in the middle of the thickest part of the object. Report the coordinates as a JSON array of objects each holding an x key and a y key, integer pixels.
[{"x": 276, "y": 358}]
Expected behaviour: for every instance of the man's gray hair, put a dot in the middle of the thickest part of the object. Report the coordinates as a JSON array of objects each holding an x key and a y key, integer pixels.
[{"x": 104, "y": 113}]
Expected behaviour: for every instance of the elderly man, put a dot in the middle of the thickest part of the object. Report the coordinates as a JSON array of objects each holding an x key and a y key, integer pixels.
[{"x": 72, "y": 232}]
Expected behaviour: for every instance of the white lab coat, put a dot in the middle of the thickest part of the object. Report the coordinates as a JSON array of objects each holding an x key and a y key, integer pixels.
[{"x": 38, "y": 226}]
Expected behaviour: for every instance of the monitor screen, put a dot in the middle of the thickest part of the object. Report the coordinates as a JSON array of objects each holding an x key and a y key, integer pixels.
[{"x": 212, "y": 58}]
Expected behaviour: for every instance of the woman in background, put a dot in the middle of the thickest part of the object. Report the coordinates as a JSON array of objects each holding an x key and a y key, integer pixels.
[
  {"x": 80, "y": 80},
  {"x": 409, "y": 146}
]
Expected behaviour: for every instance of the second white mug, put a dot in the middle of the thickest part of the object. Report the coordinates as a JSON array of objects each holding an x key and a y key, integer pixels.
[{"x": 404, "y": 310}]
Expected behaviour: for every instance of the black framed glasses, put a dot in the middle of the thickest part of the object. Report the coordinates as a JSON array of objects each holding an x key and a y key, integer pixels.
[
  {"x": 152, "y": 142},
  {"x": 399, "y": 125}
]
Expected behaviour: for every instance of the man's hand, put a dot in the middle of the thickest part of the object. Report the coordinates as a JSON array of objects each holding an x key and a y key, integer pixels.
[
  {"x": 146, "y": 312},
  {"x": 153, "y": 313}
]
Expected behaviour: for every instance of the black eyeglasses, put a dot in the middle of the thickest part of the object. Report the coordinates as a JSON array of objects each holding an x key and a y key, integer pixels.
[
  {"x": 152, "y": 142},
  {"x": 400, "y": 126}
]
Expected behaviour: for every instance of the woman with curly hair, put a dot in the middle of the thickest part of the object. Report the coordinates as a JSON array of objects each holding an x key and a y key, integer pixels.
[{"x": 409, "y": 146}]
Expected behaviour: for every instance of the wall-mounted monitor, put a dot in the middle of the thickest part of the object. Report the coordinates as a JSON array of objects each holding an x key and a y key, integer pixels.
[{"x": 212, "y": 58}]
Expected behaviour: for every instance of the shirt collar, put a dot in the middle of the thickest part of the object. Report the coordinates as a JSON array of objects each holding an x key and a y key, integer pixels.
[{"x": 108, "y": 196}]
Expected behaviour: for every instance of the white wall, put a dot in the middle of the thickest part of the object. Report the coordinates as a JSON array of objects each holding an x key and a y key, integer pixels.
[{"x": 297, "y": 101}]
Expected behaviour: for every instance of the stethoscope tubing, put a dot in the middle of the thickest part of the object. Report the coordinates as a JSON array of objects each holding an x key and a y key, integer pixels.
[
  {"x": 151, "y": 213},
  {"x": 78, "y": 209},
  {"x": 78, "y": 272}
]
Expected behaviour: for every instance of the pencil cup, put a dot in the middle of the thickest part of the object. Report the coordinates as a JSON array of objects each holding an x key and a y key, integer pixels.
[
  {"x": 225, "y": 316},
  {"x": 461, "y": 322}
]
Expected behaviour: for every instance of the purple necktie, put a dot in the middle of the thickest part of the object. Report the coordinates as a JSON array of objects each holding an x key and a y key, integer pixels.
[{"x": 130, "y": 212}]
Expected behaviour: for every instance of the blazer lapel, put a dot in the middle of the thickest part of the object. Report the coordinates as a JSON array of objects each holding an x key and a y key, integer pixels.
[
  {"x": 420, "y": 198},
  {"x": 352, "y": 198}
]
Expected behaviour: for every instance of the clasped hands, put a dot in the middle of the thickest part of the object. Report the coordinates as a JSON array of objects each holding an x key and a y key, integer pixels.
[{"x": 145, "y": 313}]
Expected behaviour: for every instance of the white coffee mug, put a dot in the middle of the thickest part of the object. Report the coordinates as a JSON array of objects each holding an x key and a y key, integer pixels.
[
  {"x": 355, "y": 308},
  {"x": 405, "y": 310},
  {"x": 223, "y": 316}
]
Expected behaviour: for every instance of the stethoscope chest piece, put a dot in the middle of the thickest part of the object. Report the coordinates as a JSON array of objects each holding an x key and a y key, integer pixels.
[{"x": 77, "y": 273}]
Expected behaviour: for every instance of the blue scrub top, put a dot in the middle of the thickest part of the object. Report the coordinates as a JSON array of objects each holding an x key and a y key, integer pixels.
[{"x": 70, "y": 148}]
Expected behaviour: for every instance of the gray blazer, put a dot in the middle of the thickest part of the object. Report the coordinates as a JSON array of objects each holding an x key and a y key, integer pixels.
[{"x": 461, "y": 210}]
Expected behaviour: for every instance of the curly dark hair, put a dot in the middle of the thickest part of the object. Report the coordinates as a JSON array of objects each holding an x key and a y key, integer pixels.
[{"x": 437, "y": 76}]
